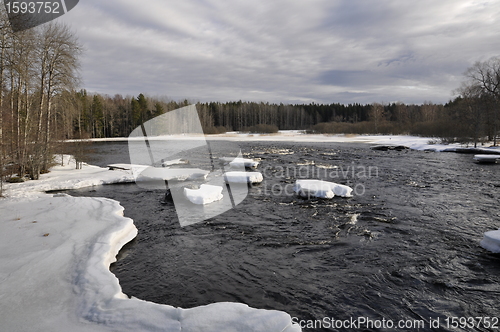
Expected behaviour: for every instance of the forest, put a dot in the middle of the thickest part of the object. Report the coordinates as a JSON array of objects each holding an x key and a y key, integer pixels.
[{"x": 42, "y": 105}]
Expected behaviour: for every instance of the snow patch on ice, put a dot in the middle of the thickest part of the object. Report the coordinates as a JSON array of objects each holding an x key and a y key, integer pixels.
[
  {"x": 486, "y": 158},
  {"x": 170, "y": 174},
  {"x": 205, "y": 195},
  {"x": 240, "y": 162},
  {"x": 491, "y": 241},
  {"x": 244, "y": 177},
  {"x": 175, "y": 162},
  {"x": 321, "y": 189}
]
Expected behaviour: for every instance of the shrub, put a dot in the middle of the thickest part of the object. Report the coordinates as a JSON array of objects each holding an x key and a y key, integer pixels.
[
  {"x": 215, "y": 130},
  {"x": 15, "y": 179},
  {"x": 363, "y": 127},
  {"x": 262, "y": 129}
]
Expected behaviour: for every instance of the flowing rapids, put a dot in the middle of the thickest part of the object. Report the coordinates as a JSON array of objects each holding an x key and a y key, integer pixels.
[{"x": 405, "y": 247}]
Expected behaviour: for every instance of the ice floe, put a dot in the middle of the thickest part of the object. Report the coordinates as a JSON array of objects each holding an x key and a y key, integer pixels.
[
  {"x": 491, "y": 241},
  {"x": 171, "y": 174},
  {"x": 204, "y": 195},
  {"x": 321, "y": 189},
  {"x": 243, "y": 177},
  {"x": 240, "y": 162},
  {"x": 179, "y": 161},
  {"x": 486, "y": 158},
  {"x": 149, "y": 173}
]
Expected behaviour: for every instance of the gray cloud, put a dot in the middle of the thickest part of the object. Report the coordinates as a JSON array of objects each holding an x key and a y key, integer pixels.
[{"x": 284, "y": 50}]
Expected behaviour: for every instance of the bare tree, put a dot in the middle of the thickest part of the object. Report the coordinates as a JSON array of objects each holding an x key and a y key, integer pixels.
[
  {"x": 377, "y": 115},
  {"x": 57, "y": 54},
  {"x": 486, "y": 77},
  {"x": 473, "y": 111}
]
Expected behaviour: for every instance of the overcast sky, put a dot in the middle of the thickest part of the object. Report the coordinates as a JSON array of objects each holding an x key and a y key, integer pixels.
[{"x": 290, "y": 51}]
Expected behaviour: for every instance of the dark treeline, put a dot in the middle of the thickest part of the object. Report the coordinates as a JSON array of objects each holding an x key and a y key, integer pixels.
[
  {"x": 467, "y": 118},
  {"x": 95, "y": 115}
]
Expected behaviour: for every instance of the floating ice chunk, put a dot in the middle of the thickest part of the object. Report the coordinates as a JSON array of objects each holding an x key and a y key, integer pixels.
[
  {"x": 175, "y": 162},
  {"x": 486, "y": 158},
  {"x": 241, "y": 162},
  {"x": 205, "y": 195},
  {"x": 169, "y": 174},
  {"x": 491, "y": 241},
  {"x": 243, "y": 177},
  {"x": 315, "y": 188},
  {"x": 321, "y": 189},
  {"x": 149, "y": 173}
]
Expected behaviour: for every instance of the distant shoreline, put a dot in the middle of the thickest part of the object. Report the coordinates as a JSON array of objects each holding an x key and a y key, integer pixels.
[{"x": 298, "y": 136}]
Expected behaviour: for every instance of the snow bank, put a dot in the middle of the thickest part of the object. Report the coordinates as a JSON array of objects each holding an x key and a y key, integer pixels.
[
  {"x": 55, "y": 252},
  {"x": 491, "y": 241},
  {"x": 321, "y": 189},
  {"x": 244, "y": 177},
  {"x": 205, "y": 195},
  {"x": 67, "y": 177}
]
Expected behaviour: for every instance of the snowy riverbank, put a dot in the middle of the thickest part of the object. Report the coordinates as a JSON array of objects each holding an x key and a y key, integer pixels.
[
  {"x": 55, "y": 252},
  {"x": 412, "y": 142}
]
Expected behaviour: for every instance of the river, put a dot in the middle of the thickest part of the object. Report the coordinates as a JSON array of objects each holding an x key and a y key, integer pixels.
[{"x": 404, "y": 248}]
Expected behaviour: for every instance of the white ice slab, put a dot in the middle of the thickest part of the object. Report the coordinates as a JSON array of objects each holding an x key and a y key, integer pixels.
[
  {"x": 244, "y": 177},
  {"x": 241, "y": 162},
  {"x": 175, "y": 162},
  {"x": 486, "y": 158},
  {"x": 170, "y": 174},
  {"x": 321, "y": 189},
  {"x": 491, "y": 241},
  {"x": 149, "y": 173},
  {"x": 205, "y": 195}
]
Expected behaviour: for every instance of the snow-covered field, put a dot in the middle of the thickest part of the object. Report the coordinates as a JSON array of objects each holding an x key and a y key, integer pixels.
[{"x": 55, "y": 252}]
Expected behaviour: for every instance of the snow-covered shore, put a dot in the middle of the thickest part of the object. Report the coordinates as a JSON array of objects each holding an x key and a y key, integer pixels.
[{"x": 55, "y": 252}]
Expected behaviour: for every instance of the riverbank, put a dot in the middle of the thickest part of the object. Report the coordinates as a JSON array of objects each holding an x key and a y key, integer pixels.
[{"x": 412, "y": 142}]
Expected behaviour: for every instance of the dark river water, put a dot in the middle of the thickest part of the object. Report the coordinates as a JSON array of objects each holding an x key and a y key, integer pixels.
[{"x": 405, "y": 247}]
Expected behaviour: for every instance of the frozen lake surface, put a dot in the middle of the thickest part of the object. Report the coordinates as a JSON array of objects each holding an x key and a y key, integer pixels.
[{"x": 406, "y": 246}]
